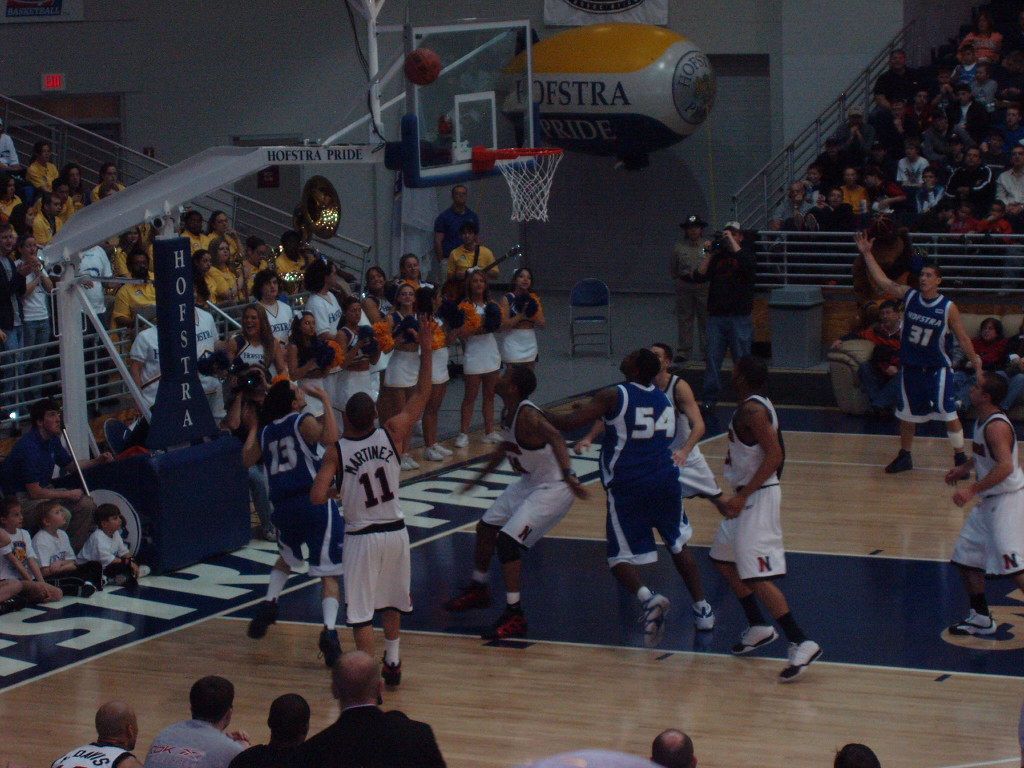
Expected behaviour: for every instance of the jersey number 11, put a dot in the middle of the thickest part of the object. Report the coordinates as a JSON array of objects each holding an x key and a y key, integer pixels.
[{"x": 386, "y": 493}]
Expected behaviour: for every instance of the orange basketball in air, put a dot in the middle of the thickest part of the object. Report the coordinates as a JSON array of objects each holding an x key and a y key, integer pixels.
[{"x": 422, "y": 66}]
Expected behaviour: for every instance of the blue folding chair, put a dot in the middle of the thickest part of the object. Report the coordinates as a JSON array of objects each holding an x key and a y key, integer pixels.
[{"x": 590, "y": 308}]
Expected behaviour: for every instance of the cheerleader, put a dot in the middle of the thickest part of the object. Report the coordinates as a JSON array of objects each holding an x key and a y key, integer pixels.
[
  {"x": 403, "y": 368},
  {"x": 443, "y": 328},
  {"x": 279, "y": 313},
  {"x": 376, "y": 282},
  {"x": 310, "y": 359},
  {"x": 481, "y": 363},
  {"x": 256, "y": 344},
  {"x": 321, "y": 302},
  {"x": 361, "y": 352},
  {"x": 523, "y": 313}
]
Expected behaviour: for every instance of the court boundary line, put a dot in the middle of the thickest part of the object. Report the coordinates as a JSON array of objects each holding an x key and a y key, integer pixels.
[
  {"x": 217, "y": 615},
  {"x": 698, "y": 654},
  {"x": 986, "y": 762}
]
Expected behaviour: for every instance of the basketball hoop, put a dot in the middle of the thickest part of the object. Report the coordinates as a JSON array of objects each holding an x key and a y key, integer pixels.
[{"x": 529, "y": 181}]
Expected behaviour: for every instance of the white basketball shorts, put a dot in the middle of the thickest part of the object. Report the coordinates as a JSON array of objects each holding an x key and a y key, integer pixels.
[
  {"x": 527, "y": 511},
  {"x": 992, "y": 537},
  {"x": 377, "y": 574},
  {"x": 753, "y": 541},
  {"x": 697, "y": 477}
]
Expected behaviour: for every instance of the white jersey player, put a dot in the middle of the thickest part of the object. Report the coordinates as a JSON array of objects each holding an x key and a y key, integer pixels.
[
  {"x": 747, "y": 549},
  {"x": 364, "y": 467},
  {"x": 527, "y": 509},
  {"x": 116, "y": 732},
  {"x": 991, "y": 541}
]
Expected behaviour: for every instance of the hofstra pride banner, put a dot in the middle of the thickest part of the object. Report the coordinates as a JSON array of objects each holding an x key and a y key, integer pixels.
[
  {"x": 42, "y": 10},
  {"x": 571, "y": 13},
  {"x": 181, "y": 413}
]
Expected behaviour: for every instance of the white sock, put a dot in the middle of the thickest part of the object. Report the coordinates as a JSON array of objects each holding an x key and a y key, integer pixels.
[
  {"x": 957, "y": 439},
  {"x": 643, "y": 594},
  {"x": 512, "y": 598},
  {"x": 479, "y": 577},
  {"x": 330, "y": 609},
  {"x": 277, "y": 581},
  {"x": 391, "y": 650}
]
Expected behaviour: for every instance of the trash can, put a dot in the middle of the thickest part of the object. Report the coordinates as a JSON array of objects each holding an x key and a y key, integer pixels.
[{"x": 795, "y": 316}]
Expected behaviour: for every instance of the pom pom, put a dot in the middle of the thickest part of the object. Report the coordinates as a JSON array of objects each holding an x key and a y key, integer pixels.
[
  {"x": 492, "y": 317},
  {"x": 439, "y": 339},
  {"x": 472, "y": 321},
  {"x": 338, "y": 361},
  {"x": 279, "y": 378},
  {"x": 518, "y": 302},
  {"x": 382, "y": 334},
  {"x": 450, "y": 313},
  {"x": 403, "y": 330},
  {"x": 323, "y": 353},
  {"x": 213, "y": 363},
  {"x": 367, "y": 340},
  {"x": 532, "y": 305}
]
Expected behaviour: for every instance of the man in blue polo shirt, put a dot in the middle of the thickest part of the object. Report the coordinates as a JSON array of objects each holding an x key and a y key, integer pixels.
[
  {"x": 28, "y": 473},
  {"x": 448, "y": 225}
]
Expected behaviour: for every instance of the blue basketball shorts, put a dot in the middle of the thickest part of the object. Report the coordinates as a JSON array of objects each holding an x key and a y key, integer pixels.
[
  {"x": 926, "y": 394},
  {"x": 320, "y": 527},
  {"x": 633, "y": 517}
]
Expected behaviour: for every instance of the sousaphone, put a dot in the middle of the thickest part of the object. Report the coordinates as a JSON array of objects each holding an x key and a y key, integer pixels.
[{"x": 319, "y": 210}]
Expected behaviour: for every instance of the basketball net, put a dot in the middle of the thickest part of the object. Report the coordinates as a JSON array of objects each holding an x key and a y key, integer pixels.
[{"x": 528, "y": 172}]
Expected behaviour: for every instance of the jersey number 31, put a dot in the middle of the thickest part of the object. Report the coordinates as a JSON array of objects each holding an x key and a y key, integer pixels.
[
  {"x": 645, "y": 426},
  {"x": 919, "y": 335}
]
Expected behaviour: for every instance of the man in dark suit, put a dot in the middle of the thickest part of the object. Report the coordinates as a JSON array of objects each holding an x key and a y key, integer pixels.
[{"x": 365, "y": 736}]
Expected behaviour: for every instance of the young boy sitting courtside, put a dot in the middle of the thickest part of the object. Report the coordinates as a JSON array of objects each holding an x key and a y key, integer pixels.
[
  {"x": 21, "y": 563},
  {"x": 106, "y": 547},
  {"x": 57, "y": 558},
  {"x": 10, "y": 589}
]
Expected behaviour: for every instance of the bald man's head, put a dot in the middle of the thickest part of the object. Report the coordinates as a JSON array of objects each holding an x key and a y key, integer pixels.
[
  {"x": 355, "y": 679},
  {"x": 672, "y": 749},
  {"x": 116, "y": 723}
]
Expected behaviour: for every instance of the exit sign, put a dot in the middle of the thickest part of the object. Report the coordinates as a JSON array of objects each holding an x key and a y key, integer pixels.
[{"x": 53, "y": 81}]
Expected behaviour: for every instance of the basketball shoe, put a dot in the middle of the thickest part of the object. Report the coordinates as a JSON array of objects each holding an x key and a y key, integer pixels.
[
  {"x": 800, "y": 657},
  {"x": 511, "y": 623},
  {"x": 755, "y": 637},
  {"x": 473, "y": 595},
  {"x": 703, "y": 616},
  {"x": 901, "y": 463},
  {"x": 392, "y": 673},
  {"x": 975, "y": 624},
  {"x": 653, "y": 619},
  {"x": 330, "y": 646},
  {"x": 266, "y": 614}
]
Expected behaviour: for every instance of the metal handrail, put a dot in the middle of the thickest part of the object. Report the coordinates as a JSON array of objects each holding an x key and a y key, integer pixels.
[
  {"x": 241, "y": 206},
  {"x": 754, "y": 202},
  {"x": 971, "y": 263}
]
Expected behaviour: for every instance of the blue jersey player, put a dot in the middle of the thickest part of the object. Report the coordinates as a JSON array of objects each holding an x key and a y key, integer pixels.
[
  {"x": 642, "y": 484},
  {"x": 926, "y": 378},
  {"x": 290, "y": 445}
]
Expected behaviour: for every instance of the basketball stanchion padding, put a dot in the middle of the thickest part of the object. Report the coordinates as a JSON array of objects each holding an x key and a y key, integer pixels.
[{"x": 529, "y": 173}]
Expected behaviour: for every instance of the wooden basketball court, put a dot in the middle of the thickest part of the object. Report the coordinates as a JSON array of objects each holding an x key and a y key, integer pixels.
[{"x": 861, "y": 543}]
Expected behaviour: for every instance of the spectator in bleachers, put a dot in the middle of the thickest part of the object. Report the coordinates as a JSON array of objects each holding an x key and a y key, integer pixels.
[
  {"x": 144, "y": 363},
  {"x": 962, "y": 220},
  {"x": 192, "y": 228},
  {"x": 62, "y": 200},
  {"x": 968, "y": 115},
  {"x": 218, "y": 225},
  {"x": 131, "y": 298},
  {"x": 35, "y": 329},
  {"x": 201, "y": 263},
  {"x": 29, "y": 470},
  {"x": 854, "y": 194},
  {"x": 673, "y": 749},
  {"x": 930, "y": 194},
  {"x": 1013, "y": 39},
  {"x": 967, "y": 69},
  {"x": 880, "y": 157},
  {"x": 41, "y": 170},
  {"x": 1011, "y": 80},
  {"x": 920, "y": 110},
  {"x": 21, "y": 563},
  {"x": 910, "y": 169},
  {"x": 56, "y": 556},
  {"x": 79, "y": 195},
  {"x": 1010, "y": 183},
  {"x": 831, "y": 162},
  {"x": 95, "y": 266},
  {"x": 813, "y": 183},
  {"x": 109, "y": 183},
  {"x": 291, "y": 259},
  {"x": 256, "y": 258},
  {"x": 899, "y": 81},
  {"x": 1012, "y": 128},
  {"x": 945, "y": 89},
  {"x": 856, "y": 756},
  {"x": 996, "y": 222},
  {"x": 973, "y": 181},
  {"x": 128, "y": 244},
  {"x": 856, "y": 137},
  {"x": 832, "y": 214},
  {"x": 792, "y": 208},
  {"x": 289, "y": 724},
  {"x": 12, "y": 291},
  {"x": 987, "y": 43},
  {"x": 47, "y": 221},
  {"x": 8, "y": 196},
  {"x": 203, "y": 741},
  {"x": 9, "y": 161},
  {"x": 883, "y": 196},
  {"x": 984, "y": 88},
  {"x": 993, "y": 152},
  {"x": 223, "y": 282}
]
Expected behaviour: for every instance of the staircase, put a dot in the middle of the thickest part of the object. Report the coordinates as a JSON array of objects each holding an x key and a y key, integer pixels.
[
  {"x": 74, "y": 144},
  {"x": 757, "y": 199}
]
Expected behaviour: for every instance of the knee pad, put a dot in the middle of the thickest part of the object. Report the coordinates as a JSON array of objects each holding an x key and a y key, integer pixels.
[{"x": 509, "y": 550}]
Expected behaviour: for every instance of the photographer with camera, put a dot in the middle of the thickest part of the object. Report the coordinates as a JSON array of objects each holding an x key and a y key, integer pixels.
[
  {"x": 730, "y": 269},
  {"x": 249, "y": 390}
]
